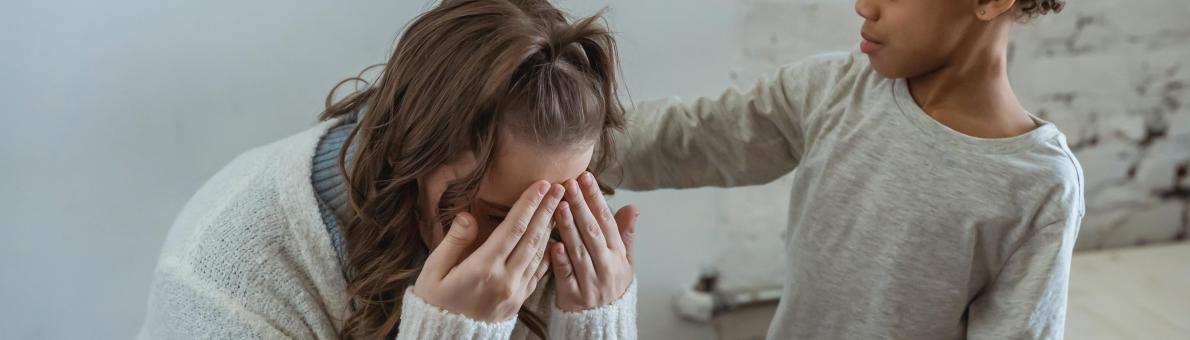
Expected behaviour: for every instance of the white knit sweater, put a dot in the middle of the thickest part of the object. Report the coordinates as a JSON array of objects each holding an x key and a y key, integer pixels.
[{"x": 249, "y": 257}]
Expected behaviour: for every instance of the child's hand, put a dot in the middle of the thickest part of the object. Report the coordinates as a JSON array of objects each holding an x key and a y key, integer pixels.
[
  {"x": 593, "y": 264},
  {"x": 493, "y": 282}
]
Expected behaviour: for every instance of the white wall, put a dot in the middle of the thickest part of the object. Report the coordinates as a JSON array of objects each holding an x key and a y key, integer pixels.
[{"x": 114, "y": 112}]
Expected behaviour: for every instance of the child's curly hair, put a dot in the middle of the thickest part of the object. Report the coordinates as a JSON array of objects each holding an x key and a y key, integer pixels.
[{"x": 1033, "y": 8}]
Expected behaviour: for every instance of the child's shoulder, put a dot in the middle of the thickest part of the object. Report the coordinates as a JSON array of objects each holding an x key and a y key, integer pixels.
[
  {"x": 1054, "y": 169},
  {"x": 830, "y": 65},
  {"x": 836, "y": 58},
  {"x": 829, "y": 75}
]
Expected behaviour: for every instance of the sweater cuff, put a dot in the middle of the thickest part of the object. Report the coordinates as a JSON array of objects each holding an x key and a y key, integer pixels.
[
  {"x": 421, "y": 320},
  {"x": 616, "y": 321}
]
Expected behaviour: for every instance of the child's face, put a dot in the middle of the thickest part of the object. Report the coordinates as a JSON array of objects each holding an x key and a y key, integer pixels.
[{"x": 907, "y": 38}]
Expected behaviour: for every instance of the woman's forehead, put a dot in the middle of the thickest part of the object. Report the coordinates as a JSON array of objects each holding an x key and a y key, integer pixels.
[{"x": 516, "y": 167}]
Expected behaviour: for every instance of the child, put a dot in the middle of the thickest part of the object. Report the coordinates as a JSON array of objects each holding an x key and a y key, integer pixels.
[{"x": 927, "y": 202}]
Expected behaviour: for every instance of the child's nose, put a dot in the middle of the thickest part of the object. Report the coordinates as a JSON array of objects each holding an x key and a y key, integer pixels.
[{"x": 867, "y": 9}]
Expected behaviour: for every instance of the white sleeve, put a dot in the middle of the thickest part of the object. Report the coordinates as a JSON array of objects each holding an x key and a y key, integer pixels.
[
  {"x": 616, "y": 321},
  {"x": 421, "y": 320}
]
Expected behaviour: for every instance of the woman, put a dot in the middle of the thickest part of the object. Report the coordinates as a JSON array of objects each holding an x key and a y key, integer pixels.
[{"x": 421, "y": 207}]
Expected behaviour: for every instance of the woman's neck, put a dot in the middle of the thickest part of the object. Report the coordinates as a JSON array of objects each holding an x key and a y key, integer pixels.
[{"x": 971, "y": 93}]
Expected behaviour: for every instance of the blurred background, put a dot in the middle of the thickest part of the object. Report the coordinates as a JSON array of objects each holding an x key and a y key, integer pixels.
[{"x": 115, "y": 112}]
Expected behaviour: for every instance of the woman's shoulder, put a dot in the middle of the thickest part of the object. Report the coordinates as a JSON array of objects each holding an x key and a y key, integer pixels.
[
  {"x": 255, "y": 223},
  {"x": 235, "y": 264},
  {"x": 255, "y": 190}
]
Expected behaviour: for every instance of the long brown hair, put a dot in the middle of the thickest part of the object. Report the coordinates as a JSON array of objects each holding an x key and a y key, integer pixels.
[{"x": 463, "y": 75}]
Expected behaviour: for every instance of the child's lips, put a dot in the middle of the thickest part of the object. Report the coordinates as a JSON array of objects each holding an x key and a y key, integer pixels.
[{"x": 868, "y": 45}]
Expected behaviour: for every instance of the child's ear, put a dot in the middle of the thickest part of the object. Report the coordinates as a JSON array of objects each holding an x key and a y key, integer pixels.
[{"x": 988, "y": 10}]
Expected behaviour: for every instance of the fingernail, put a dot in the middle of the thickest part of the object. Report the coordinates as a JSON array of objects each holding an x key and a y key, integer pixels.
[
  {"x": 541, "y": 188},
  {"x": 462, "y": 221}
]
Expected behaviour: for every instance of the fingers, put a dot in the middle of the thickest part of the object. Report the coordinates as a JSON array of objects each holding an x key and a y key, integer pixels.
[
  {"x": 564, "y": 279},
  {"x": 576, "y": 253},
  {"x": 566, "y": 287},
  {"x": 593, "y": 196},
  {"x": 626, "y": 219},
  {"x": 542, "y": 266},
  {"x": 588, "y": 228},
  {"x": 450, "y": 251},
  {"x": 506, "y": 236},
  {"x": 531, "y": 248}
]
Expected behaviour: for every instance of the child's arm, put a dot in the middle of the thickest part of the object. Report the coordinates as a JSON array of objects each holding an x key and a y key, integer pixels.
[
  {"x": 739, "y": 138},
  {"x": 1027, "y": 300}
]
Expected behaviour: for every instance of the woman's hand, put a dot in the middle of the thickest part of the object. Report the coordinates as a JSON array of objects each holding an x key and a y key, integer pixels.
[
  {"x": 493, "y": 282},
  {"x": 593, "y": 264}
]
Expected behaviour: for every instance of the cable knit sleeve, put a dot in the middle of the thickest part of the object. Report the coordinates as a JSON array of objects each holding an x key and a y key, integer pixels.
[
  {"x": 421, "y": 320},
  {"x": 616, "y": 321}
]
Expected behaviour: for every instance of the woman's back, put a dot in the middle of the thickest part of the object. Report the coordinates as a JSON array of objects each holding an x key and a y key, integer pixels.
[{"x": 248, "y": 257}]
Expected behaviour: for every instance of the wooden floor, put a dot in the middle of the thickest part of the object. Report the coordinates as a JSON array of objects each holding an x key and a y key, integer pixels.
[{"x": 1131, "y": 293}]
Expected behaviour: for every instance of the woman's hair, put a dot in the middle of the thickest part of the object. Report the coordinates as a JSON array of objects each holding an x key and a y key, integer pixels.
[
  {"x": 463, "y": 75},
  {"x": 1029, "y": 9}
]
